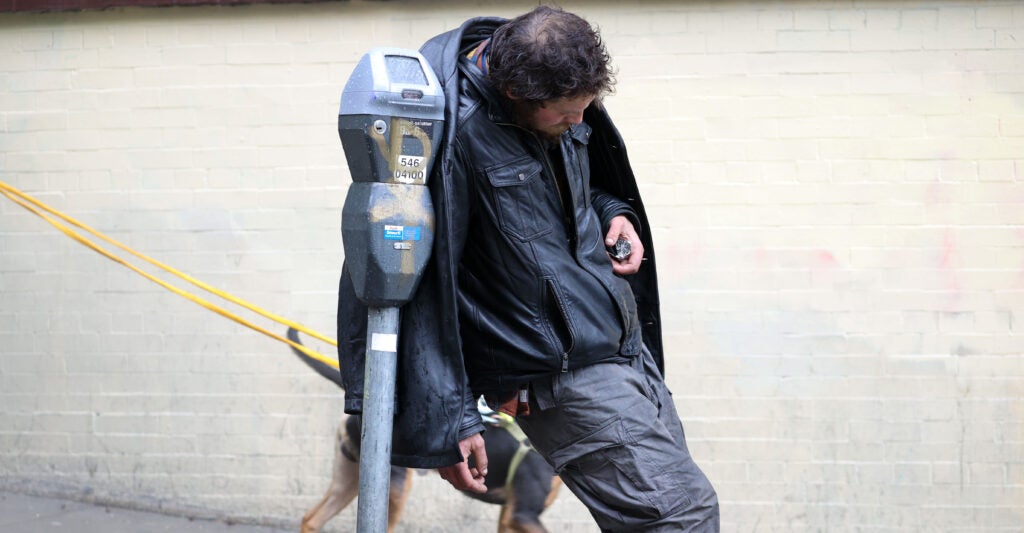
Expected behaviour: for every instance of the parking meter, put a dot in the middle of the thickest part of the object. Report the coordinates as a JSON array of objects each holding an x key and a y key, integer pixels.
[{"x": 390, "y": 122}]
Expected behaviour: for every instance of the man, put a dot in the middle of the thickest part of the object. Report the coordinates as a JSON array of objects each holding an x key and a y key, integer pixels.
[{"x": 522, "y": 301}]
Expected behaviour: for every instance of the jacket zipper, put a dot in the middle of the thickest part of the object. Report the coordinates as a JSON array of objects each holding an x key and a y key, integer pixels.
[
  {"x": 571, "y": 229},
  {"x": 565, "y": 320}
]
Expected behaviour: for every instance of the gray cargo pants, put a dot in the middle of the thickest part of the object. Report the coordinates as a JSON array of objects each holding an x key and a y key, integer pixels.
[{"x": 612, "y": 433}]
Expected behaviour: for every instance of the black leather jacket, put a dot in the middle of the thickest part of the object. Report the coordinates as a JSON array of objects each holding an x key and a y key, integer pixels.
[{"x": 519, "y": 285}]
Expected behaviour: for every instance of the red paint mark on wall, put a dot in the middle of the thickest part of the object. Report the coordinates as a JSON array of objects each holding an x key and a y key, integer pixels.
[
  {"x": 825, "y": 259},
  {"x": 947, "y": 260}
]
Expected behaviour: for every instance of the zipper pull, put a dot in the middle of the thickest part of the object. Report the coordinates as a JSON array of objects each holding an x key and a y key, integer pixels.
[{"x": 565, "y": 362}]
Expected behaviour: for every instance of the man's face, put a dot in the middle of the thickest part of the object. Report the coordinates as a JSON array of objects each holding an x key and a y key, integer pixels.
[{"x": 555, "y": 116}]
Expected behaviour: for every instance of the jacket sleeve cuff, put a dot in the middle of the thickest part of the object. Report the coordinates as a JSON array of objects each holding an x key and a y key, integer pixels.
[
  {"x": 609, "y": 207},
  {"x": 472, "y": 422}
]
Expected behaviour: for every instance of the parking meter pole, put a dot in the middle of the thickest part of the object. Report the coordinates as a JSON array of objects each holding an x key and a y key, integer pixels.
[
  {"x": 390, "y": 124},
  {"x": 378, "y": 414}
]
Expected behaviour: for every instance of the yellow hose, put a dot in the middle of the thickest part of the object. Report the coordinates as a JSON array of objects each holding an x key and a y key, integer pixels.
[{"x": 37, "y": 207}]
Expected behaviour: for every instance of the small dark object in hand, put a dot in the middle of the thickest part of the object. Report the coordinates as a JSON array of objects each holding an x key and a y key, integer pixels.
[{"x": 621, "y": 250}]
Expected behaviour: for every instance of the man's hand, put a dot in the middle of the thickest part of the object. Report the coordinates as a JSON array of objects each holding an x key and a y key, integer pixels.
[
  {"x": 620, "y": 226},
  {"x": 460, "y": 475}
]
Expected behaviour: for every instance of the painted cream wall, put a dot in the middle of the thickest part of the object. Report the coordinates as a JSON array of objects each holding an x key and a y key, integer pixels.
[{"x": 836, "y": 189}]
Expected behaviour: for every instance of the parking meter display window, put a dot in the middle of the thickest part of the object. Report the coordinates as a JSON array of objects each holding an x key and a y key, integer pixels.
[{"x": 403, "y": 69}]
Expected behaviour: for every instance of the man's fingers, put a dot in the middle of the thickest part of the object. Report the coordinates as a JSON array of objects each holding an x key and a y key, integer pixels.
[
  {"x": 480, "y": 457},
  {"x": 614, "y": 232},
  {"x": 460, "y": 477},
  {"x": 474, "y": 446},
  {"x": 476, "y": 484}
]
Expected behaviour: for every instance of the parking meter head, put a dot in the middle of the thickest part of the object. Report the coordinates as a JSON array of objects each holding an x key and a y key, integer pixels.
[
  {"x": 390, "y": 123},
  {"x": 391, "y": 117}
]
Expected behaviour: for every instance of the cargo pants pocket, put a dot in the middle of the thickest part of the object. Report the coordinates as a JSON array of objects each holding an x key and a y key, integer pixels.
[{"x": 618, "y": 478}]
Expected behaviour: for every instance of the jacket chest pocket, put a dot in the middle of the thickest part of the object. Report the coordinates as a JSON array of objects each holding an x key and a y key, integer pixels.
[{"x": 520, "y": 198}]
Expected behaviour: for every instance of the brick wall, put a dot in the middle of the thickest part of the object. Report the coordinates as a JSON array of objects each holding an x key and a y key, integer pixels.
[{"x": 836, "y": 189}]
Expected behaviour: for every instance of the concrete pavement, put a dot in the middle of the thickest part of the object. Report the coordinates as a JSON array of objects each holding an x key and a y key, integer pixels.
[{"x": 21, "y": 513}]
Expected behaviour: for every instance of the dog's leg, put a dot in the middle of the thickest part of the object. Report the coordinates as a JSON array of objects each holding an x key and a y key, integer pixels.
[
  {"x": 534, "y": 488},
  {"x": 556, "y": 483},
  {"x": 505, "y": 518},
  {"x": 345, "y": 482},
  {"x": 343, "y": 489},
  {"x": 401, "y": 483},
  {"x": 509, "y": 523}
]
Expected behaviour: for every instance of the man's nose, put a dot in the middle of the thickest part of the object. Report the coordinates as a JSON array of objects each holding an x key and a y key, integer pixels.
[{"x": 576, "y": 118}]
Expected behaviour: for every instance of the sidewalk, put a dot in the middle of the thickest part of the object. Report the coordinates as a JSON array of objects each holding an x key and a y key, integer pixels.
[{"x": 20, "y": 513}]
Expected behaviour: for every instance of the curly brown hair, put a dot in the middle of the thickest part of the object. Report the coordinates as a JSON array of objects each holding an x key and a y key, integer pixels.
[{"x": 548, "y": 54}]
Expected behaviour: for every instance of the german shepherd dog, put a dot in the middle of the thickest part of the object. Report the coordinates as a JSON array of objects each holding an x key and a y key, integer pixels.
[{"x": 518, "y": 478}]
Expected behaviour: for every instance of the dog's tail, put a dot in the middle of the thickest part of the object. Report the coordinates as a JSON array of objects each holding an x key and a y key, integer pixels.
[{"x": 321, "y": 368}]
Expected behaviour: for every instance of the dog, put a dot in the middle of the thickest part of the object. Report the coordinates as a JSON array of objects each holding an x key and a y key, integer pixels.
[{"x": 518, "y": 478}]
